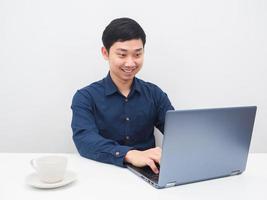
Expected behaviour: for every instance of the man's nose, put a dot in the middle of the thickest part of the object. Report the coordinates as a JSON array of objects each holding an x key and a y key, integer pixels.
[{"x": 130, "y": 62}]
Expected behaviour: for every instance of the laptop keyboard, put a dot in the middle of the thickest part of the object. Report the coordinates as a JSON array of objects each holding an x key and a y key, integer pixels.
[{"x": 147, "y": 172}]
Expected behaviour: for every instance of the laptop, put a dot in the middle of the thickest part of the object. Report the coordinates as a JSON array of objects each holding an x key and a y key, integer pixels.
[{"x": 202, "y": 144}]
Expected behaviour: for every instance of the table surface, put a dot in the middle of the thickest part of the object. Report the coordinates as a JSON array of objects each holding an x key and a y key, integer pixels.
[{"x": 103, "y": 181}]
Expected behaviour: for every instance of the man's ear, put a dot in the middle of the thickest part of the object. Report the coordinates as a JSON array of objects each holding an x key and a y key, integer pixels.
[{"x": 104, "y": 53}]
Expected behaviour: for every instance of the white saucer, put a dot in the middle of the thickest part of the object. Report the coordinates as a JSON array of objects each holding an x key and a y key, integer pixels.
[{"x": 33, "y": 180}]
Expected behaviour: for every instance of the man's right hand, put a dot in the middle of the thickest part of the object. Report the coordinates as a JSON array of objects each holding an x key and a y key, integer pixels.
[{"x": 143, "y": 158}]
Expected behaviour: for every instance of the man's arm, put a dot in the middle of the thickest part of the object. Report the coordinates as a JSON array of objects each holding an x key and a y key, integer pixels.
[
  {"x": 163, "y": 105},
  {"x": 88, "y": 141}
]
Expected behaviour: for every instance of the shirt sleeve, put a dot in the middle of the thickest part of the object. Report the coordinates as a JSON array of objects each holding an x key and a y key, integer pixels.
[
  {"x": 86, "y": 136},
  {"x": 163, "y": 104}
]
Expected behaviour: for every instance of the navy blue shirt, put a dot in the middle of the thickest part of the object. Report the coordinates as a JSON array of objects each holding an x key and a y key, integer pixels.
[{"x": 106, "y": 124}]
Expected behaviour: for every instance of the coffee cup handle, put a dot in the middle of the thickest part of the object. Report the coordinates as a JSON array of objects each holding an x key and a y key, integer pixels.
[{"x": 32, "y": 164}]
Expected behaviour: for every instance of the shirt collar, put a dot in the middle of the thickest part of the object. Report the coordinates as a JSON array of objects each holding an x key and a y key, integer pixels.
[
  {"x": 136, "y": 85},
  {"x": 111, "y": 88}
]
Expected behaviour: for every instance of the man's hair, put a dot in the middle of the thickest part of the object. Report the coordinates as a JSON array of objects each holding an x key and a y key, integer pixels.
[{"x": 122, "y": 29}]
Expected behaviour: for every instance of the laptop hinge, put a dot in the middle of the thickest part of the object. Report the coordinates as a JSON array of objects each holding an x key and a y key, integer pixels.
[
  {"x": 235, "y": 172},
  {"x": 171, "y": 184}
]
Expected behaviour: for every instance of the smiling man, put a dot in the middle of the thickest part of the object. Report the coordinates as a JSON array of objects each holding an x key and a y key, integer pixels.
[{"x": 113, "y": 119}]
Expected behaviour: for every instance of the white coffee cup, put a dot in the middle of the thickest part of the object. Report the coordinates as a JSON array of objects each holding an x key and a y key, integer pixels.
[{"x": 50, "y": 169}]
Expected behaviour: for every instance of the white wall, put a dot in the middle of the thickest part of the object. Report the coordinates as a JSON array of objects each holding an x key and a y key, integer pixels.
[{"x": 202, "y": 53}]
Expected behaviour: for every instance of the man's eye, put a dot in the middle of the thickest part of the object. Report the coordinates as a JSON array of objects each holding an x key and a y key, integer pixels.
[{"x": 122, "y": 55}]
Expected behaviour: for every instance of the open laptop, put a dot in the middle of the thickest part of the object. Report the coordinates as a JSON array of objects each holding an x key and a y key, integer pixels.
[{"x": 202, "y": 144}]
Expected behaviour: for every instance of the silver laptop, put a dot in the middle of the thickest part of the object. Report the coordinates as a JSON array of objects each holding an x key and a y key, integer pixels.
[{"x": 202, "y": 144}]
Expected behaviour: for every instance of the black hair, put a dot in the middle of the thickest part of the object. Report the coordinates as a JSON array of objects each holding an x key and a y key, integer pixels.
[{"x": 122, "y": 29}]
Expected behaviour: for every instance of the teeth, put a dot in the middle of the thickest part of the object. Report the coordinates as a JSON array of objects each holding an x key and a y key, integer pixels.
[{"x": 127, "y": 70}]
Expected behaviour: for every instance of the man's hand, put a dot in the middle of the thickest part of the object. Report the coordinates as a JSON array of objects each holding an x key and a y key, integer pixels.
[{"x": 142, "y": 158}]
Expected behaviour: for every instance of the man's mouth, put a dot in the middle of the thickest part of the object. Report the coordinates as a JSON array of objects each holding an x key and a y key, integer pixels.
[{"x": 128, "y": 70}]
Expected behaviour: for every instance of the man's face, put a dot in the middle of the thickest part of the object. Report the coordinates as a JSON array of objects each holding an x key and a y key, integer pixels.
[{"x": 125, "y": 59}]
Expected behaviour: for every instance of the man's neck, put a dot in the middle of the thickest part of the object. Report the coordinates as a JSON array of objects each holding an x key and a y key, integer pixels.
[{"x": 123, "y": 86}]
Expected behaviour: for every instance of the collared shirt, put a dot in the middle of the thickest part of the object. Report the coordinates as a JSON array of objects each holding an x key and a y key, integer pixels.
[{"x": 106, "y": 124}]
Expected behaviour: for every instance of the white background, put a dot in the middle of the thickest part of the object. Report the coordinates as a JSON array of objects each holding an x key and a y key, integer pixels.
[{"x": 201, "y": 53}]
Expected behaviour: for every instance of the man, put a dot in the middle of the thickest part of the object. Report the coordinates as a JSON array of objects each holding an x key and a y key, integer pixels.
[{"x": 114, "y": 118}]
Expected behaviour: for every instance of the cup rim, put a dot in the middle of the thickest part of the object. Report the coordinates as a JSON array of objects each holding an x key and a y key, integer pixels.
[{"x": 51, "y": 159}]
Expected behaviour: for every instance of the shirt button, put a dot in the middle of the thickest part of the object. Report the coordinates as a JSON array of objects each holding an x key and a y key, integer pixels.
[
  {"x": 127, "y": 119},
  {"x": 117, "y": 153},
  {"x": 126, "y": 100},
  {"x": 127, "y": 137}
]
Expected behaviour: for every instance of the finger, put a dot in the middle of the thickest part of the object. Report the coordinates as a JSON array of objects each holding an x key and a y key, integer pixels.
[
  {"x": 155, "y": 157},
  {"x": 153, "y": 166}
]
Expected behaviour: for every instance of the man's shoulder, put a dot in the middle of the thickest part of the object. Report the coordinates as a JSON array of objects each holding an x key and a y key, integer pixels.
[
  {"x": 91, "y": 90},
  {"x": 148, "y": 85},
  {"x": 93, "y": 87}
]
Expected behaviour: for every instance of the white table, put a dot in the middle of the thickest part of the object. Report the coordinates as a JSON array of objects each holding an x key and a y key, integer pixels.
[{"x": 102, "y": 181}]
